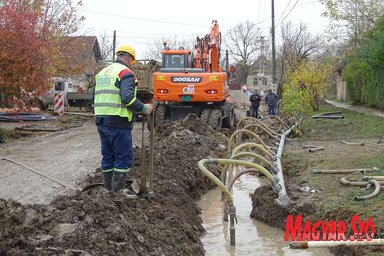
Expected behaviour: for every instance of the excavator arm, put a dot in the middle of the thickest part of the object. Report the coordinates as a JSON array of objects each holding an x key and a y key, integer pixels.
[{"x": 208, "y": 50}]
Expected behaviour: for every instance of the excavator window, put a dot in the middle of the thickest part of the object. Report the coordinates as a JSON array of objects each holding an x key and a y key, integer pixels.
[{"x": 173, "y": 61}]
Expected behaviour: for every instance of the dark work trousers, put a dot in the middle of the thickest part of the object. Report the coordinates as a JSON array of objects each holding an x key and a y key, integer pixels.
[
  {"x": 116, "y": 148},
  {"x": 255, "y": 111},
  {"x": 271, "y": 110}
]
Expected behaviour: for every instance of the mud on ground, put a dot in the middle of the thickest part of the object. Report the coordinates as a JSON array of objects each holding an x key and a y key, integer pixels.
[{"x": 98, "y": 222}]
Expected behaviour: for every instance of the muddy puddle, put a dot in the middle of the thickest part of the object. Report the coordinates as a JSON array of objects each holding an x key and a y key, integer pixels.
[{"x": 252, "y": 237}]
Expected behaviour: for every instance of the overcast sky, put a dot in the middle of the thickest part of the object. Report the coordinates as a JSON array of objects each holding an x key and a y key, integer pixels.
[{"x": 139, "y": 23}]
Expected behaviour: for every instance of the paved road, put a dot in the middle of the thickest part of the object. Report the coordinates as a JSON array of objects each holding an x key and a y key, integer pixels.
[
  {"x": 360, "y": 109},
  {"x": 67, "y": 156}
]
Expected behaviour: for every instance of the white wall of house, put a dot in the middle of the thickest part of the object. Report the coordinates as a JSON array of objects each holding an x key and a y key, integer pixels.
[
  {"x": 261, "y": 82},
  {"x": 341, "y": 87}
]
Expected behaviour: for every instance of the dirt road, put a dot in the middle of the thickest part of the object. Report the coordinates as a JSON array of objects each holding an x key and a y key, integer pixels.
[{"x": 67, "y": 156}]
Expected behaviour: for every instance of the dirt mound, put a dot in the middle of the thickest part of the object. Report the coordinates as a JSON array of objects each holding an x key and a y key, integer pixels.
[{"x": 98, "y": 222}]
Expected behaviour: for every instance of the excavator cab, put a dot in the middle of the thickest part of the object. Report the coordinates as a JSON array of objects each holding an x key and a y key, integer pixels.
[{"x": 176, "y": 59}]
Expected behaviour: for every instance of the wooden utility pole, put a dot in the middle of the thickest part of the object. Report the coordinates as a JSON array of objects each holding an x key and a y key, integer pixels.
[
  {"x": 273, "y": 44},
  {"x": 114, "y": 45}
]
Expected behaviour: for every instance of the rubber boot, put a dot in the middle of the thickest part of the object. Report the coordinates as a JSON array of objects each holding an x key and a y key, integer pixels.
[
  {"x": 107, "y": 179},
  {"x": 118, "y": 181}
]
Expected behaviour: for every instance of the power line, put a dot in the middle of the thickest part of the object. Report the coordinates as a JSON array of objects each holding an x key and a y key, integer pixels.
[
  {"x": 313, "y": 2},
  {"x": 286, "y": 7},
  {"x": 143, "y": 19},
  {"x": 293, "y": 7}
]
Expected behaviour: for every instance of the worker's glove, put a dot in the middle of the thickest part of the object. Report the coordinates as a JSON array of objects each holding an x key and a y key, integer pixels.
[
  {"x": 136, "y": 82},
  {"x": 147, "y": 109}
]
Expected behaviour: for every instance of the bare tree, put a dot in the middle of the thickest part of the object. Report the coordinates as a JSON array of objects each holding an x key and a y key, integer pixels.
[
  {"x": 106, "y": 47},
  {"x": 298, "y": 46},
  {"x": 243, "y": 43},
  {"x": 156, "y": 47}
]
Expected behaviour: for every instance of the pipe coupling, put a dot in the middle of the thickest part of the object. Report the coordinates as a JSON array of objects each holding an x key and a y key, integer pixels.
[
  {"x": 316, "y": 171},
  {"x": 274, "y": 170},
  {"x": 284, "y": 201},
  {"x": 276, "y": 186},
  {"x": 212, "y": 160},
  {"x": 232, "y": 211}
]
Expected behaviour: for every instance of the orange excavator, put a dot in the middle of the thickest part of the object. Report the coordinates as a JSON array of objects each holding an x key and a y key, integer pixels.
[{"x": 194, "y": 82}]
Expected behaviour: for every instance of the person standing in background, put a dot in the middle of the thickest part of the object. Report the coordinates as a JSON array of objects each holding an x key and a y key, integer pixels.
[
  {"x": 255, "y": 103},
  {"x": 271, "y": 100}
]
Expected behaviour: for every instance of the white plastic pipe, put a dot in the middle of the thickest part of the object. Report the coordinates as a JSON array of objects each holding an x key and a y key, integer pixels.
[{"x": 319, "y": 244}]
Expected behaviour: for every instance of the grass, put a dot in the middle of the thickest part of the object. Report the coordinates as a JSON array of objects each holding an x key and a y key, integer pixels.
[
  {"x": 6, "y": 135},
  {"x": 354, "y": 125}
]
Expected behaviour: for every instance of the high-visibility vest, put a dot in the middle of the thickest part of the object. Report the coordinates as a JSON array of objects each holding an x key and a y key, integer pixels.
[{"x": 107, "y": 95}]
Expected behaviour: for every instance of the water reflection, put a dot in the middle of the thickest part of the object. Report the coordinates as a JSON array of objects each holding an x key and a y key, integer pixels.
[{"x": 252, "y": 237}]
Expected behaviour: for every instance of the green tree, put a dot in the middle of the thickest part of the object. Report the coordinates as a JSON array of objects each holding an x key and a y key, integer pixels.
[
  {"x": 306, "y": 86},
  {"x": 364, "y": 73},
  {"x": 351, "y": 18}
]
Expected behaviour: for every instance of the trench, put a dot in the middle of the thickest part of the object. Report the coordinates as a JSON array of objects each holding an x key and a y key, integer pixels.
[{"x": 252, "y": 237}]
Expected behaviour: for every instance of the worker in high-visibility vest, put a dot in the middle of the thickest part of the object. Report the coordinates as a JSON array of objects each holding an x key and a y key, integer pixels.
[{"x": 114, "y": 101}]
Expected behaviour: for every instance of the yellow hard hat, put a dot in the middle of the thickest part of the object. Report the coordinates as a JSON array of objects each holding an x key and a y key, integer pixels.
[{"x": 129, "y": 49}]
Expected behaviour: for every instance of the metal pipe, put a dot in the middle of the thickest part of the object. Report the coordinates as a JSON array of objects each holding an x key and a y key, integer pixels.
[
  {"x": 143, "y": 170},
  {"x": 319, "y": 244},
  {"x": 232, "y": 229},
  {"x": 151, "y": 192}
]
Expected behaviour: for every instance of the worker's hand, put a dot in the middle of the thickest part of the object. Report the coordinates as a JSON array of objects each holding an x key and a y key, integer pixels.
[{"x": 147, "y": 109}]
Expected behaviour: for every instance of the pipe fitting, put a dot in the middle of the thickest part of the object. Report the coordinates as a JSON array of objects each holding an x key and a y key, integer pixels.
[
  {"x": 232, "y": 210},
  {"x": 274, "y": 170},
  {"x": 276, "y": 186},
  {"x": 283, "y": 201},
  {"x": 211, "y": 160}
]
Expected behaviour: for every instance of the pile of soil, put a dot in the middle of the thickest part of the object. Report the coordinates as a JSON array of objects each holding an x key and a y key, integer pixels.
[{"x": 99, "y": 222}]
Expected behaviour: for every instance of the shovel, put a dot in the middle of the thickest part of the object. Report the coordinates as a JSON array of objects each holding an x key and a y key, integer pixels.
[{"x": 146, "y": 183}]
